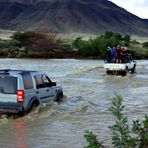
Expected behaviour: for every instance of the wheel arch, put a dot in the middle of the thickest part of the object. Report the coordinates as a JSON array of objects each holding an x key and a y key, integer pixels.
[
  {"x": 33, "y": 101},
  {"x": 59, "y": 95}
]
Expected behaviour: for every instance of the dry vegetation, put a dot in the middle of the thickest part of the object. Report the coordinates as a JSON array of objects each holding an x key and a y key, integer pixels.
[{"x": 62, "y": 45}]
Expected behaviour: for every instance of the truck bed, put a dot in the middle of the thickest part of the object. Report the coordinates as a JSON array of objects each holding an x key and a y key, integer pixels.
[{"x": 120, "y": 68}]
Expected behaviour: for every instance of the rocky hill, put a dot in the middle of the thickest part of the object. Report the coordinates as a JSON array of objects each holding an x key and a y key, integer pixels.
[{"x": 70, "y": 16}]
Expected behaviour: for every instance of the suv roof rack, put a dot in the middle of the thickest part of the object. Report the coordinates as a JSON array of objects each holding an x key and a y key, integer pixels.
[
  {"x": 18, "y": 70},
  {"x": 4, "y": 71}
]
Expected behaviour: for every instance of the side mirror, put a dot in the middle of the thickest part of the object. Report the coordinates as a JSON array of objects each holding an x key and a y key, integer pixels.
[{"x": 53, "y": 83}]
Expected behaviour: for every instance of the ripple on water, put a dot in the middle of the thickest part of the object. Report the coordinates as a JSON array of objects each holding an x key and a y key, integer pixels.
[{"x": 88, "y": 92}]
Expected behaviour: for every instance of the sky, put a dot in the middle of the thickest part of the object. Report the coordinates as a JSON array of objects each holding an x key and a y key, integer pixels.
[{"x": 137, "y": 7}]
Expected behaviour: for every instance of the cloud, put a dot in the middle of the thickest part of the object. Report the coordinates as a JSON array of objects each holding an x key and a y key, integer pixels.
[{"x": 137, "y": 7}]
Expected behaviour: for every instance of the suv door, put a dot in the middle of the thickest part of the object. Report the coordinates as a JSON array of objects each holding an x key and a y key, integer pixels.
[{"x": 44, "y": 88}]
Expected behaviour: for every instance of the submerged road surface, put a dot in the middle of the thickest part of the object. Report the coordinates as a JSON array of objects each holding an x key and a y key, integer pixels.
[{"x": 88, "y": 93}]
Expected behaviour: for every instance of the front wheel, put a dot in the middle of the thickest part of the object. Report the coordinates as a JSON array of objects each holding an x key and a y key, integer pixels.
[
  {"x": 59, "y": 97},
  {"x": 133, "y": 69}
]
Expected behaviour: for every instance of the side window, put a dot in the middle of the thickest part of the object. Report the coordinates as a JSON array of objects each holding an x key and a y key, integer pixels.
[
  {"x": 46, "y": 80},
  {"x": 39, "y": 81},
  {"x": 42, "y": 81},
  {"x": 27, "y": 80}
]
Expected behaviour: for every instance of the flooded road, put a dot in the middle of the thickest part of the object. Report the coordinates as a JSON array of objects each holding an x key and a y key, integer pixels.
[{"x": 88, "y": 93}]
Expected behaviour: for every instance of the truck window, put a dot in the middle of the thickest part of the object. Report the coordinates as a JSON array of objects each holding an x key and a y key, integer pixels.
[{"x": 8, "y": 84}]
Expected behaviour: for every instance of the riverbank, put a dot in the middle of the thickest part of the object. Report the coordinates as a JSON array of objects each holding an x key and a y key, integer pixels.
[
  {"x": 55, "y": 54},
  {"x": 38, "y": 45}
]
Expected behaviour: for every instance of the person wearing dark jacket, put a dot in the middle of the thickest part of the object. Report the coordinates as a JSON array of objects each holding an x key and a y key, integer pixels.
[
  {"x": 109, "y": 55},
  {"x": 119, "y": 53},
  {"x": 114, "y": 54}
]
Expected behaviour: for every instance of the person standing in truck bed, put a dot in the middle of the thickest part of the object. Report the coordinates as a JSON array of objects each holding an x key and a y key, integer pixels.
[
  {"x": 119, "y": 53},
  {"x": 124, "y": 55},
  {"x": 109, "y": 54},
  {"x": 114, "y": 54}
]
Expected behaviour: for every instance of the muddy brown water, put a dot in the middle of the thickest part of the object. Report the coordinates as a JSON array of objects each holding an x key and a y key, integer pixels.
[{"x": 88, "y": 93}]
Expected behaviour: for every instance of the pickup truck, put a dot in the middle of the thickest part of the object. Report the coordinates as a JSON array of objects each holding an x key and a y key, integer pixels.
[{"x": 120, "y": 68}]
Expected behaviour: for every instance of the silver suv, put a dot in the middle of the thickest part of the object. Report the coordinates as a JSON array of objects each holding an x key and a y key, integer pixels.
[{"x": 20, "y": 90}]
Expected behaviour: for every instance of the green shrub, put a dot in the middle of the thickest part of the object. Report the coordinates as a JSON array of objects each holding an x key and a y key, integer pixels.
[
  {"x": 122, "y": 135},
  {"x": 134, "y": 42},
  {"x": 8, "y": 44},
  {"x": 23, "y": 37},
  {"x": 25, "y": 44},
  {"x": 38, "y": 42},
  {"x": 127, "y": 39},
  {"x": 96, "y": 46},
  {"x": 139, "y": 53},
  {"x": 120, "y": 130},
  {"x": 141, "y": 130},
  {"x": 145, "y": 44},
  {"x": 77, "y": 42},
  {"x": 92, "y": 140},
  {"x": 65, "y": 47}
]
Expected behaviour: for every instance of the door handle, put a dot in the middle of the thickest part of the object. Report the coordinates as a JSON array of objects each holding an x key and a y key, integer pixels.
[
  {"x": 47, "y": 90},
  {"x": 37, "y": 92}
]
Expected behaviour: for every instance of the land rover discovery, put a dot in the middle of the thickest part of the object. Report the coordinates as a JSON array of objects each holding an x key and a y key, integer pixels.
[{"x": 20, "y": 90}]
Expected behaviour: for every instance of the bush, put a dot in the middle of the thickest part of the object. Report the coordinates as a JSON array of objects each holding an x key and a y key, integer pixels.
[
  {"x": 96, "y": 46},
  {"x": 39, "y": 42},
  {"x": 89, "y": 48},
  {"x": 120, "y": 130},
  {"x": 23, "y": 37},
  {"x": 92, "y": 140},
  {"x": 145, "y": 44},
  {"x": 141, "y": 130},
  {"x": 44, "y": 42},
  {"x": 122, "y": 135},
  {"x": 77, "y": 42},
  {"x": 8, "y": 44},
  {"x": 139, "y": 52},
  {"x": 127, "y": 38},
  {"x": 134, "y": 42},
  {"x": 65, "y": 47}
]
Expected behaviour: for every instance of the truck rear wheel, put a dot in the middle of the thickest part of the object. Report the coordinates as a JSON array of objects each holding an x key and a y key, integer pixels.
[
  {"x": 109, "y": 72},
  {"x": 124, "y": 73}
]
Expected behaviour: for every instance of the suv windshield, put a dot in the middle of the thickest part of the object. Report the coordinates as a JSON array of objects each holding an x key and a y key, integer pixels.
[{"x": 8, "y": 84}]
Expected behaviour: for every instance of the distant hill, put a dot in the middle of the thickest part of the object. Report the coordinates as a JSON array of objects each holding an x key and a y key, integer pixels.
[
  {"x": 70, "y": 16},
  {"x": 146, "y": 21}
]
